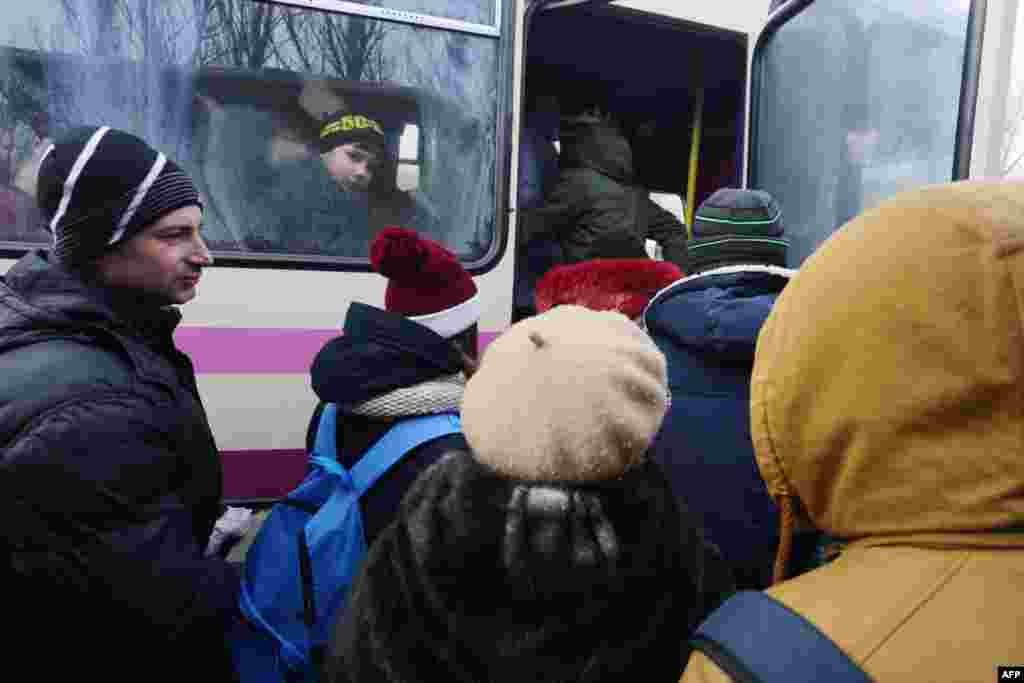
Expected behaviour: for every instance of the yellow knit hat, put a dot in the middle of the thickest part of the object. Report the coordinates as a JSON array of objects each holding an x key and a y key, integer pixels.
[{"x": 569, "y": 395}]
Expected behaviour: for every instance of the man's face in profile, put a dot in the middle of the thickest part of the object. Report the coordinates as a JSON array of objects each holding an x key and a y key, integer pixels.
[{"x": 352, "y": 165}]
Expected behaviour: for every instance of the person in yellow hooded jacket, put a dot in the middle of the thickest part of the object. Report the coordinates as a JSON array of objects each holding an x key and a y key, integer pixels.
[{"x": 887, "y": 408}]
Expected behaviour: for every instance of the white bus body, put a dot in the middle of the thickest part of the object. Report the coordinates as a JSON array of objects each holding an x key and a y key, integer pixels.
[{"x": 254, "y": 328}]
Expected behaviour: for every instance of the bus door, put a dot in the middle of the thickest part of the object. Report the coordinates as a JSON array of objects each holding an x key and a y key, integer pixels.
[
  {"x": 853, "y": 101},
  {"x": 674, "y": 86}
]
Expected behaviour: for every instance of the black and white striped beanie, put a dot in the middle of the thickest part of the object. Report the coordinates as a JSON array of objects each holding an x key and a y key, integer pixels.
[{"x": 99, "y": 186}]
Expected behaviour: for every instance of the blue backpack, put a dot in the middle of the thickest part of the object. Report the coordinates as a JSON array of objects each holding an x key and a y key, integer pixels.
[
  {"x": 300, "y": 568},
  {"x": 756, "y": 639}
]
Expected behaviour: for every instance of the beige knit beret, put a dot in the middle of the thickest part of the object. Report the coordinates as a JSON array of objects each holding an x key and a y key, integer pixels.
[{"x": 569, "y": 395}]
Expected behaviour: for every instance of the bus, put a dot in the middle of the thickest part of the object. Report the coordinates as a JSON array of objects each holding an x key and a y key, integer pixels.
[{"x": 831, "y": 105}]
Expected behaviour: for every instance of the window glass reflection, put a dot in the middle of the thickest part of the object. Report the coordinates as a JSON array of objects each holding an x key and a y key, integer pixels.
[
  {"x": 858, "y": 101},
  {"x": 240, "y": 93}
]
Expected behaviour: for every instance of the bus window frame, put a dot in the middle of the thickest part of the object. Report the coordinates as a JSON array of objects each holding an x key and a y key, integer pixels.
[
  {"x": 969, "y": 85},
  {"x": 782, "y": 14},
  {"x": 401, "y": 16},
  {"x": 967, "y": 105},
  {"x": 503, "y": 144}
]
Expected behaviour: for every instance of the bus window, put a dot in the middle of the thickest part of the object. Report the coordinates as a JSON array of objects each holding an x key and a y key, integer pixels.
[
  {"x": 327, "y": 177},
  {"x": 1003, "y": 156},
  {"x": 20, "y": 147},
  {"x": 855, "y": 102},
  {"x": 408, "y": 178},
  {"x": 240, "y": 93}
]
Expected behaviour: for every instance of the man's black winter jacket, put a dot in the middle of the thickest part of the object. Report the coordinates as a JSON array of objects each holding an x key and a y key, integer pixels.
[{"x": 110, "y": 483}]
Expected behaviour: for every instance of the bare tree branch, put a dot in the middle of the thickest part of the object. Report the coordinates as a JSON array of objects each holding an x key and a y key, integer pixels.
[
  {"x": 352, "y": 47},
  {"x": 298, "y": 43}
]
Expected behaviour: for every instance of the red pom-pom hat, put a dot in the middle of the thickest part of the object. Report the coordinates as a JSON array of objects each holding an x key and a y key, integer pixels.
[
  {"x": 623, "y": 285},
  {"x": 426, "y": 282}
]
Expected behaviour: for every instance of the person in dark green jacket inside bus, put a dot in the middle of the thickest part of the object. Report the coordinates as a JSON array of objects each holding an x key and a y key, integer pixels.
[{"x": 596, "y": 198}]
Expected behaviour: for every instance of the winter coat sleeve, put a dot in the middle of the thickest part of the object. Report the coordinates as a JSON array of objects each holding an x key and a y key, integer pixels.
[
  {"x": 666, "y": 230},
  {"x": 90, "y": 505},
  {"x": 561, "y": 208},
  {"x": 587, "y": 203}
]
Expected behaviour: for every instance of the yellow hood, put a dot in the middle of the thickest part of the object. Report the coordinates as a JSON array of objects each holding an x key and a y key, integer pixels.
[{"x": 888, "y": 385}]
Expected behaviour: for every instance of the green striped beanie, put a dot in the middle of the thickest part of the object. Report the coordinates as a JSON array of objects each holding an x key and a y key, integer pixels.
[{"x": 737, "y": 227}]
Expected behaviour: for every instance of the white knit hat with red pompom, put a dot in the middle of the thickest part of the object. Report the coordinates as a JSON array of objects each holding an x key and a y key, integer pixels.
[{"x": 426, "y": 282}]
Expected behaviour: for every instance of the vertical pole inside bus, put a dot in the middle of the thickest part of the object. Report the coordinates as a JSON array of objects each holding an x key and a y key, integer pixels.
[{"x": 691, "y": 176}]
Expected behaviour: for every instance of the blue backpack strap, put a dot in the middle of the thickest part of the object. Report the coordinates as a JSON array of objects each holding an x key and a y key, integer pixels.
[
  {"x": 326, "y": 442},
  {"x": 404, "y": 436},
  {"x": 756, "y": 639}
]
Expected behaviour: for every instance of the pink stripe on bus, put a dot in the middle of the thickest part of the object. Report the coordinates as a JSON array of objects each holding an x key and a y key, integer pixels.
[{"x": 259, "y": 350}]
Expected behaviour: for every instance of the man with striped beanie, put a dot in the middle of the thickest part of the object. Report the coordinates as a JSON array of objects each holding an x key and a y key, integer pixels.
[
  {"x": 111, "y": 480},
  {"x": 98, "y": 187}
]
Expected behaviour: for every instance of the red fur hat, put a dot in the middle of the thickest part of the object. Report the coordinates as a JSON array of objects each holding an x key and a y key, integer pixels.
[
  {"x": 623, "y": 285},
  {"x": 426, "y": 282}
]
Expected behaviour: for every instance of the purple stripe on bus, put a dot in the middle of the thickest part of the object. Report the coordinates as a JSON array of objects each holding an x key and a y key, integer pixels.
[
  {"x": 259, "y": 350},
  {"x": 251, "y": 350},
  {"x": 262, "y": 474}
]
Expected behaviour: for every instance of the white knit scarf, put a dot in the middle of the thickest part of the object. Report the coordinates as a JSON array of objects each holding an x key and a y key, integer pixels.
[{"x": 440, "y": 395}]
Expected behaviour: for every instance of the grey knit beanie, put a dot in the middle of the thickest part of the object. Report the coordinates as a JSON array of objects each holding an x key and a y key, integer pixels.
[
  {"x": 100, "y": 186},
  {"x": 736, "y": 226},
  {"x": 569, "y": 395}
]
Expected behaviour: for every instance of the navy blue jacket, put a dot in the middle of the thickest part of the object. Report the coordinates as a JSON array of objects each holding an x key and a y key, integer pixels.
[
  {"x": 380, "y": 352},
  {"x": 110, "y": 483},
  {"x": 707, "y": 327}
]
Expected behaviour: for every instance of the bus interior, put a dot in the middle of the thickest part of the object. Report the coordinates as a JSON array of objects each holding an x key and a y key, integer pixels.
[{"x": 657, "y": 77}]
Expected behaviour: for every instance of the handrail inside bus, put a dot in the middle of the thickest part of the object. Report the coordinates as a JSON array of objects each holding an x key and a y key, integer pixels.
[{"x": 691, "y": 179}]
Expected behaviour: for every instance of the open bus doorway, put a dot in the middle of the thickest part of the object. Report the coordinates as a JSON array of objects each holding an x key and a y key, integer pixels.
[{"x": 674, "y": 88}]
